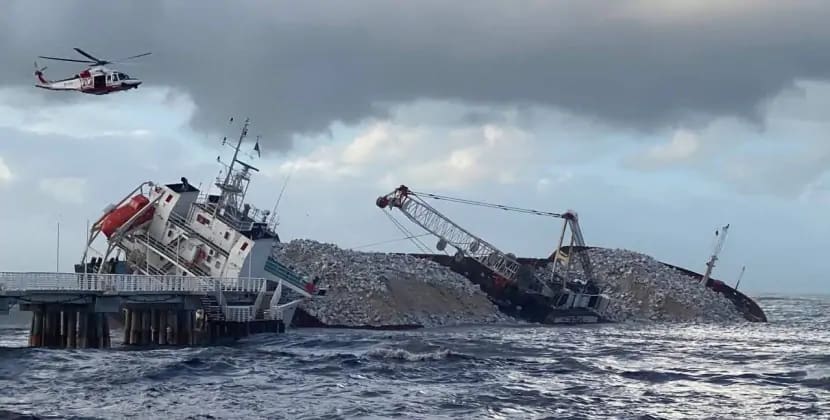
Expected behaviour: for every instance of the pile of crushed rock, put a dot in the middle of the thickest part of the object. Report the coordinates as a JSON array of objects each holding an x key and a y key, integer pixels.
[
  {"x": 376, "y": 289},
  {"x": 642, "y": 289}
]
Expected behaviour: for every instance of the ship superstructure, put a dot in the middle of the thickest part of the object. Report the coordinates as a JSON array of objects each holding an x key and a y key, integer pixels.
[{"x": 178, "y": 230}]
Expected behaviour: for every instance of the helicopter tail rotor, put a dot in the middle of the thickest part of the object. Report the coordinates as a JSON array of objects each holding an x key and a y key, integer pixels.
[
  {"x": 40, "y": 70},
  {"x": 39, "y": 74}
]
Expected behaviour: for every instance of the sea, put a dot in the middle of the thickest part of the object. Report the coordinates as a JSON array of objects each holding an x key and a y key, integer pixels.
[{"x": 774, "y": 370}]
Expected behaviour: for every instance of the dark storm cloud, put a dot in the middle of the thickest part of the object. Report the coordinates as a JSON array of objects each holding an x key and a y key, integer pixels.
[{"x": 296, "y": 66}]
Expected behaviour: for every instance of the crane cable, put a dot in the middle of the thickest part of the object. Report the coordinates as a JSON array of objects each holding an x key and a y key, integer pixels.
[
  {"x": 418, "y": 244},
  {"x": 584, "y": 259},
  {"x": 490, "y": 205},
  {"x": 391, "y": 241}
]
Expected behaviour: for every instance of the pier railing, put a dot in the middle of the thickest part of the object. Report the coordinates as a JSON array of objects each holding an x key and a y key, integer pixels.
[
  {"x": 124, "y": 283},
  {"x": 239, "y": 313}
]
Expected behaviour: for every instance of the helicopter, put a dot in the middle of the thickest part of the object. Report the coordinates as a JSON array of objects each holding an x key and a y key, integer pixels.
[{"x": 95, "y": 79}]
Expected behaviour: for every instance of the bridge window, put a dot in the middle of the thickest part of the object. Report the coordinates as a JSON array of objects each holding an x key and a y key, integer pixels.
[
  {"x": 169, "y": 233},
  {"x": 227, "y": 235},
  {"x": 244, "y": 246},
  {"x": 202, "y": 219},
  {"x": 217, "y": 265},
  {"x": 169, "y": 197}
]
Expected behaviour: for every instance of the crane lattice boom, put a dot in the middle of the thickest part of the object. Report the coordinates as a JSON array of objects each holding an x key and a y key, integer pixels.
[
  {"x": 449, "y": 233},
  {"x": 570, "y": 217},
  {"x": 418, "y": 211}
]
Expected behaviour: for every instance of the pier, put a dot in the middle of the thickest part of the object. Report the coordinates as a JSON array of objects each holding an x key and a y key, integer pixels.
[{"x": 74, "y": 310}]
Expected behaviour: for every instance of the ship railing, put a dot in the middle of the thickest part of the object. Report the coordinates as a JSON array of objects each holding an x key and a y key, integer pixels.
[
  {"x": 242, "y": 224},
  {"x": 284, "y": 312},
  {"x": 260, "y": 297},
  {"x": 169, "y": 252},
  {"x": 124, "y": 283},
  {"x": 237, "y": 224}
]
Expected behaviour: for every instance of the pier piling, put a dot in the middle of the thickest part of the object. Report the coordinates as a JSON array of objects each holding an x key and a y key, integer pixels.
[
  {"x": 79, "y": 326},
  {"x": 64, "y": 326}
]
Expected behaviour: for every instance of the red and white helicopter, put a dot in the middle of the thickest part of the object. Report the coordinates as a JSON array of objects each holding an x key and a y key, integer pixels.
[{"x": 95, "y": 80}]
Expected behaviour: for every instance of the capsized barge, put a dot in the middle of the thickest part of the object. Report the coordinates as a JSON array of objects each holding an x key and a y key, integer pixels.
[
  {"x": 520, "y": 286},
  {"x": 534, "y": 308}
]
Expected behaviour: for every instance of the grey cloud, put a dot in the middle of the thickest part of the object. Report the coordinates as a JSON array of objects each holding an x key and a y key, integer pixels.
[
  {"x": 786, "y": 175},
  {"x": 295, "y": 67}
]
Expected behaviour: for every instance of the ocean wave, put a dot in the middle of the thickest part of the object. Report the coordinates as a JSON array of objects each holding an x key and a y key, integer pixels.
[{"x": 617, "y": 371}]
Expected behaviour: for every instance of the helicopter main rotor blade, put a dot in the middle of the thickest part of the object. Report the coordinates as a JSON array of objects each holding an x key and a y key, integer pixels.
[
  {"x": 82, "y": 52},
  {"x": 130, "y": 58},
  {"x": 66, "y": 59}
]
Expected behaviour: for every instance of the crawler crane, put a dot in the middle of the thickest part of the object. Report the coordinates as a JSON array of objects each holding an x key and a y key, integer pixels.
[{"x": 512, "y": 281}]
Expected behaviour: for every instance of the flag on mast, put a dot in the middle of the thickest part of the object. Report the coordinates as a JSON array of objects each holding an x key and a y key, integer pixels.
[{"x": 256, "y": 147}]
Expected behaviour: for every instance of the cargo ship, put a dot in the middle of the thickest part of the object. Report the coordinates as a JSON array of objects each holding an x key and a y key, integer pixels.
[{"x": 176, "y": 230}]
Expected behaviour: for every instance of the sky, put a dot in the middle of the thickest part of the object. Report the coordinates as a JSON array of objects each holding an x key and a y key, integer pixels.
[{"x": 656, "y": 121}]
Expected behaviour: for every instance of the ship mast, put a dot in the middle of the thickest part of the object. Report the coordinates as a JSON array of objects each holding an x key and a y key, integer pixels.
[{"x": 233, "y": 190}]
